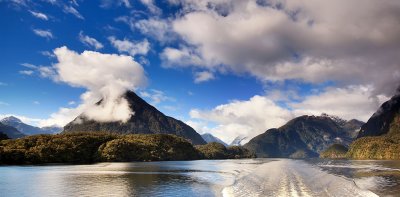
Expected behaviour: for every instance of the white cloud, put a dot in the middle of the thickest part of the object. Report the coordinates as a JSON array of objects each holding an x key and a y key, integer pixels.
[
  {"x": 26, "y": 72},
  {"x": 73, "y": 11},
  {"x": 39, "y": 15},
  {"x": 203, "y": 76},
  {"x": 118, "y": 73},
  {"x": 155, "y": 96},
  {"x": 158, "y": 29},
  {"x": 312, "y": 41},
  {"x": 43, "y": 33},
  {"x": 28, "y": 65},
  {"x": 348, "y": 103},
  {"x": 151, "y": 6},
  {"x": 259, "y": 113},
  {"x": 109, "y": 3},
  {"x": 71, "y": 103},
  {"x": 91, "y": 42},
  {"x": 130, "y": 47},
  {"x": 247, "y": 118}
]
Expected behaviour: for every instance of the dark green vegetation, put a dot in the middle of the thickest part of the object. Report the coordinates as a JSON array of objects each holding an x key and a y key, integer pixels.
[
  {"x": 303, "y": 137},
  {"x": 92, "y": 147},
  {"x": 28, "y": 129},
  {"x": 379, "y": 138},
  {"x": 146, "y": 120},
  {"x": 385, "y": 146},
  {"x": 3, "y": 136},
  {"x": 216, "y": 150},
  {"x": 11, "y": 132},
  {"x": 335, "y": 151}
]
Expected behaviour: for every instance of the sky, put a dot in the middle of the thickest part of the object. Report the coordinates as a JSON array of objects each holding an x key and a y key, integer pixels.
[{"x": 226, "y": 67}]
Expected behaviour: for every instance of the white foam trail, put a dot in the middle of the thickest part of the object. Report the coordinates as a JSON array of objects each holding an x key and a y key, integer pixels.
[{"x": 292, "y": 178}]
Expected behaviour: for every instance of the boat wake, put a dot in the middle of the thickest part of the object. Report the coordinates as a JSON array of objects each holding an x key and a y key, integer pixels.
[{"x": 292, "y": 178}]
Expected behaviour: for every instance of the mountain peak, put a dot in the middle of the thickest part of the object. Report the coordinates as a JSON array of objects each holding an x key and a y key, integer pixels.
[
  {"x": 11, "y": 119},
  {"x": 146, "y": 120}
]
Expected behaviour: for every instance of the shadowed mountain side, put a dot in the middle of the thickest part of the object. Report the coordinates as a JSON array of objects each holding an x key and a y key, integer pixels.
[
  {"x": 146, "y": 120},
  {"x": 11, "y": 132},
  {"x": 302, "y": 137}
]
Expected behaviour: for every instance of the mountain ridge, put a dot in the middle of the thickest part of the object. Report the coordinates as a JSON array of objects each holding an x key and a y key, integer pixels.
[{"x": 146, "y": 120}]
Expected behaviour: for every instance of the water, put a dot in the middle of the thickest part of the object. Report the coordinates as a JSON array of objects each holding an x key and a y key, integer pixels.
[{"x": 248, "y": 177}]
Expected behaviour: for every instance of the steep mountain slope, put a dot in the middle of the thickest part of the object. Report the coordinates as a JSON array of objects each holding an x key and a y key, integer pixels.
[
  {"x": 146, "y": 120},
  {"x": 381, "y": 121},
  {"x": 29, "y": 129},
  {"x": 11, "y": 132},
  {"x": 379, "y": 138},
  {"x": 304, "y": 136},
  {"x": 210, "y": 138}
]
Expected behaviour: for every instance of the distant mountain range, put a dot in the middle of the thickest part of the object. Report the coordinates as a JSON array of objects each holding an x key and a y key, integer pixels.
[
  {"x": 29, "y": 129},
  {"x": 210, "y": 138},
  {"x": 11, "y": 132},
  {"x": 146, "y": 120},
  {"x": 304, "y": 136}
]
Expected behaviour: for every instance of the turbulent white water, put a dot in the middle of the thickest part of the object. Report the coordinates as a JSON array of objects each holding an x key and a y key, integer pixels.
[{"x": 292, "y": 178}]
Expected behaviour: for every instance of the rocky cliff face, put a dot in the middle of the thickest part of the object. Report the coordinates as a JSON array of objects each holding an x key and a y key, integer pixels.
[
  {"x": 146, "y": 120},
  {"x": 382, "y": 121},
  {"x": 304, "y": 136}
]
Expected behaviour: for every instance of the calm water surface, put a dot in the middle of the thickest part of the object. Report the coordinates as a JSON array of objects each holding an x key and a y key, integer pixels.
[{"x": 250, "y": 177}]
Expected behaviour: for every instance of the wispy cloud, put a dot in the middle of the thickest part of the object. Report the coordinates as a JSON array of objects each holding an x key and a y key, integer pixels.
[
  {"x": 39, "y": 15},
  {"x": 73, "y": 11},
  {"x": 89, "y": 41},
  {"x": 109, "y": 3},
  {"x": 43, "y": 33},
  {"x": 26, "y": 72},
  {"x": 4, "y": 103},
  {"x": 3, "y": 84},
  {"x": 156, "y": 96}
]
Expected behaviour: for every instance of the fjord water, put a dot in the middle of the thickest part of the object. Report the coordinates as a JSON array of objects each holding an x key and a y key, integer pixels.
[{"x": 247, "y": 177}]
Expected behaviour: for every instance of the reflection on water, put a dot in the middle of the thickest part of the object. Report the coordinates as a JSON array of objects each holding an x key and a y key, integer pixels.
[{"x": 203, "y": 178}]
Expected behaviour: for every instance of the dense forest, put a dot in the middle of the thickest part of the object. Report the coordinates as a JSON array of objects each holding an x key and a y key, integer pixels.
[{"x": 106, "y": 147}]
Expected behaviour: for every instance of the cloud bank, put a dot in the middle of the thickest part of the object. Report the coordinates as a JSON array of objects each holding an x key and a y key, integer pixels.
[
  {"x": 104, "y": 76},
  {"x": 350, "y": 42}
]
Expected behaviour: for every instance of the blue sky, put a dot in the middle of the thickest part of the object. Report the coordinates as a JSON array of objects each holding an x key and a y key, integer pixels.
[{"x": 225, "y": 67}]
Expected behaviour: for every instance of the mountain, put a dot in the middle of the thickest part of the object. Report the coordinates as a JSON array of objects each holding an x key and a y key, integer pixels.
[
  {"x": 146, "y": 120},
  {"x": 29, "y": 129},
  {"x": 11, "y": 132},
  {"x": 381, "y": 121},
  {"x": 210, "y": 138},
  {"x": 238, "y": 141},
  {"x": 379, "y": 138},
  {"x": 304, "y": 136}
]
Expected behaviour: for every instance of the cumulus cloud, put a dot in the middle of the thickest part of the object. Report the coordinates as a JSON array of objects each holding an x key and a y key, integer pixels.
[
  {"x": 89, "y": 41},
  {"x": 254, "y": 116},
  {"x": 245, "y": 118},
  {"x": 312, "y": 41},
  {"x": 43, "y": 33},
  {"x": 203, "y": 76},
  {"x": 73, "y": 11},
  {"x": 39, "y": 15},
  {"x": 130, "y": 47},
  {"x": 119, "y": 73}
]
